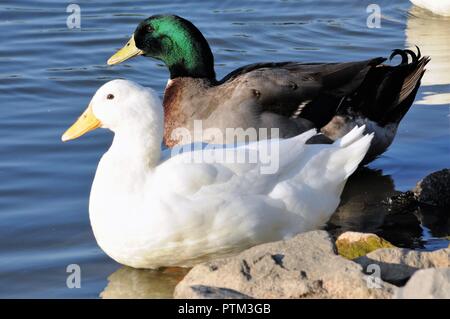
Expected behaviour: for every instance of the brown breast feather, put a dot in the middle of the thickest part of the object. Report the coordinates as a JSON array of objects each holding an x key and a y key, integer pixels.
[{"x": 173, "y": 113}]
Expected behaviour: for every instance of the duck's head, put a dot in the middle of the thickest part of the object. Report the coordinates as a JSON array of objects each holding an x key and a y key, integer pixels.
[
  {"x": 173, "y": 40},
  {"x": 119, "y": 105}
]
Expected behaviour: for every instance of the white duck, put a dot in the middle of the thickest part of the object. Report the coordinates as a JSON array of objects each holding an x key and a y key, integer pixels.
[
  {"x": 151, "y": 212},
  {"x": 441, "y": 7}
]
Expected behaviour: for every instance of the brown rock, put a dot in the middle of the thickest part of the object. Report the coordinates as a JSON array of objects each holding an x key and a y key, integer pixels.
[{"x": 305, "y": 266}]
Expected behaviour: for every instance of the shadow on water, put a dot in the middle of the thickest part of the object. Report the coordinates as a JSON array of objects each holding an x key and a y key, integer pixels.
[{"x": 365, "y": 207}]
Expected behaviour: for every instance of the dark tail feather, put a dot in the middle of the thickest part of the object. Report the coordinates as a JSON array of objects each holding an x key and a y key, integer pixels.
[
  {"x": 407, "y": 92},
  {"x": 400, "y": 87},
  {"x": 397, "y": 87}
]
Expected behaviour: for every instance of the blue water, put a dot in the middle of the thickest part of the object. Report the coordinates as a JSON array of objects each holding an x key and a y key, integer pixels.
[{"x": 48, "y": 74}]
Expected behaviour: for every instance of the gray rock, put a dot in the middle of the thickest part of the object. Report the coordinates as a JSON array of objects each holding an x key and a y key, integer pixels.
[
  {"x": 434, "y": 189},
  {"x": 305, "y": 266},
  {"x": 433, "y": 283},
  {"x": 399, "y": 264},
  {"x": 206, "y": 292}
]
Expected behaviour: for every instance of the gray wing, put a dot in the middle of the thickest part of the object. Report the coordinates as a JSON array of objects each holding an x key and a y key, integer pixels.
[{"x": 297, "y": 94}]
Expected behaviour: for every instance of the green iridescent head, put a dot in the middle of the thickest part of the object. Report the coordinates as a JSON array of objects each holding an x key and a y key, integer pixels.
[{"x": 173, "y": 40}]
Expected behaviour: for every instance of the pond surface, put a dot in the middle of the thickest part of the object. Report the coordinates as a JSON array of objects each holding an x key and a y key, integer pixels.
[{"x": 48, "y": 74}]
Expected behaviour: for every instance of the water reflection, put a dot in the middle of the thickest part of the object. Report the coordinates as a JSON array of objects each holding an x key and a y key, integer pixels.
[
  {"x": 364, "y": 208},
  {"x": 431, "y": 33},
  {"x": 435, "y": 220},
  {"x": 127, "y": 283},
  {"x": 362, "y": 205}
]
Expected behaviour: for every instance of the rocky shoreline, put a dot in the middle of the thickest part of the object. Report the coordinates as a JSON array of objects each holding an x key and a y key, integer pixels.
[
  {"x": 316, "y": 265},
  {"x": 309, "y": 266}
]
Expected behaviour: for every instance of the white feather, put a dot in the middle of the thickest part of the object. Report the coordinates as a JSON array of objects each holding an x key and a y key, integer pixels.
[{"x": 149, "y": 212}]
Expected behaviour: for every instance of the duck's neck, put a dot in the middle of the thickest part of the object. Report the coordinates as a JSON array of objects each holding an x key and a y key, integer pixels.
[
  {"x": 137, "y": 146},
  {"x": 134, "y": 152},
  {"x": 187, "y": 54}
]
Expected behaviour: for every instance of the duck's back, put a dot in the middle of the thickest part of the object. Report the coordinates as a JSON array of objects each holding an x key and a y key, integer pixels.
[
  {"x": 292, "y": 97},
  {"x": 295, "y": 97}
]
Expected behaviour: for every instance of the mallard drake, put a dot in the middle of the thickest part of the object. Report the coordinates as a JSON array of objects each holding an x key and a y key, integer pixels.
[
  {"x": 293, "y": 97},
  {"x": 441, "y": 7},
  {"x": 150, "y": 211}
]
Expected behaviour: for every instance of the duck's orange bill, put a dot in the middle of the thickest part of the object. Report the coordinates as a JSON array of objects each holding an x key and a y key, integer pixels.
[
  {"x": 128, "y": 51},
  {"x": 85, "y": 123}
]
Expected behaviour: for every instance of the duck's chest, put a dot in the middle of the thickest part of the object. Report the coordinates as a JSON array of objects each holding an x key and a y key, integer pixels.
[
  {"x": 117, "y": 187},
  {"x": 118, "y": 210},
  {"x": 195, "y": 110},
  {"x": 186, "y": 100}
]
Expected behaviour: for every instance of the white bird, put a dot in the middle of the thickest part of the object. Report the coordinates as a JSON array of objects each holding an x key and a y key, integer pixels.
[
  {"x": 441, "y": 7},
  {"x": 147, "y": 211}
]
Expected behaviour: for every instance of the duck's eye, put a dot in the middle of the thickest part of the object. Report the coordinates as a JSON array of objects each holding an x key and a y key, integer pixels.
[
  {"x": 110, "y": 96},
  {"x": 149, "y": 29}
]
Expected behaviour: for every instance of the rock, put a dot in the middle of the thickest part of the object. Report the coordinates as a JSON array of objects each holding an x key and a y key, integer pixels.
[
  {"x": 433, "y": 283},
  {"x": 305, "y": 266},
  {"x": 398, "y": 264},
  {"x": 434, "y": 189},
  {"x": 206, "y": 292},
  {"x": 352, "y": 245}
]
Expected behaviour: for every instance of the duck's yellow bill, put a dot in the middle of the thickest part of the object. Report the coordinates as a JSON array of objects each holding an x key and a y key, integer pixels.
[
  {"x": 127, "y": 52},
  {"x": 85, "y": 123}
]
